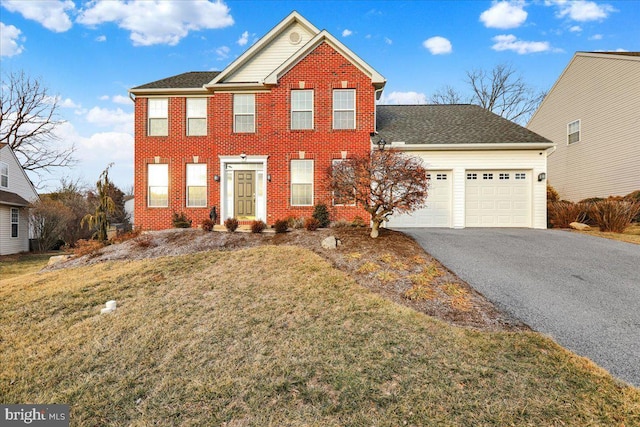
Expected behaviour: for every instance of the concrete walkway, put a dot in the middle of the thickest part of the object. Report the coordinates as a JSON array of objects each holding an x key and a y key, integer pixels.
[{"x": 581, "y": 290}]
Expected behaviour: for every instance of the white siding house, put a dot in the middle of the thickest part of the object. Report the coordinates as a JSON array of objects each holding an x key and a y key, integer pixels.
[
  {"x": 485, "y": 171},
  {"x": 16, "y": 192},
  {"x": 592, "y": 113}
]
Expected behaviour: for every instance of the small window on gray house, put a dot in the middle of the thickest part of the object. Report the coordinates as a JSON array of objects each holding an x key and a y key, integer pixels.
[
  {"x": 15, "y": 221},
  {"x": 4, "y": 175},
  {"x": 573, "y": 132}
]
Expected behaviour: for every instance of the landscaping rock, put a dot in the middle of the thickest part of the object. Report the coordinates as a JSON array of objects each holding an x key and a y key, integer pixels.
[
  {"x": 331, "y": 242},
  {"x": 579, "y": 226},
  {"x": 58, "y": 258}
]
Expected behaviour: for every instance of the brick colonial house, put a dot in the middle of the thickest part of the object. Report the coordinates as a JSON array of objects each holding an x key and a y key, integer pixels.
[
  {"x": 258, "y": 139},
  {"x": 255, "y": 140}
]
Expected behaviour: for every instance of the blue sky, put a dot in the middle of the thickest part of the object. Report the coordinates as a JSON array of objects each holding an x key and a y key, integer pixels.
[{"x": 89, "y": 53}]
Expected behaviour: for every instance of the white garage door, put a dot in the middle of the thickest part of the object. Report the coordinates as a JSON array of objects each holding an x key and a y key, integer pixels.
[
  {"x": 498, "y": 198},
  {"x": 437, "y": 213}
]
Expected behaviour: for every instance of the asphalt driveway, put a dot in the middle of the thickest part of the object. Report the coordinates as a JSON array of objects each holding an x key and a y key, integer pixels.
[{"x": 581, "y": 290}]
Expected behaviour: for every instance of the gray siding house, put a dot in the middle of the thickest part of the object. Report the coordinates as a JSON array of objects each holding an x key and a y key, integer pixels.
[
  {"x": 16, "y": 193},
  {"x": 592, "y": 113}
]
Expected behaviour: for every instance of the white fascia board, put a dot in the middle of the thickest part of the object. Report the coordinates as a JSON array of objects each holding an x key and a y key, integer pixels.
[
  {"x": 477, "y": 146},
  {"x": 169, "y": 91},
  {"x": 260, "y": 44},
  {"x": 376, "y": 78}
]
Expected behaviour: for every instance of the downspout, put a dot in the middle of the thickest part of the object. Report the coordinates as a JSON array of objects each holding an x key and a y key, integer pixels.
[{"x": 377, "y": 95}]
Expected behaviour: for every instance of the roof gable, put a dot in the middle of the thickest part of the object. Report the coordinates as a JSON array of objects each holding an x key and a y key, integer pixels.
[
  {"x": 453, "y": 125},
  {"x": 280, "y": 50},
  {"x": 609, "y": 56},
  {"x": 19, "y": 183},
  {"x": 322, "y": 37}
]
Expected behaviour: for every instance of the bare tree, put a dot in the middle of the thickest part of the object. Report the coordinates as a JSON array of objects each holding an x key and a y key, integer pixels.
[
  {"x": 383, "y": 182},
  {"x": 447, "y": 95},
  {"x": 502, "y": 91},
  {"x": 28, "y": 119}
]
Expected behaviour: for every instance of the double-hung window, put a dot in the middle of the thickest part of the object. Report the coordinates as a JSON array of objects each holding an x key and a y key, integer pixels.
[
  {"x": 343, "y": 171},
  {"x": 158, "y": 180},
  {"x": 573, "y": 132},
  {"x": 196, "y": 116},
  {"x": 301, "y": 109},
  {"x": 244, "y": 113},
  {"x": 4, "y": 175},
  {"x": 15, "y": 221},
  {"x": 344, "y": 109},
  {"x": 301, "y": 182},
  {"x": 196, "y": 185},
  {"x": 158, "y": 112}
]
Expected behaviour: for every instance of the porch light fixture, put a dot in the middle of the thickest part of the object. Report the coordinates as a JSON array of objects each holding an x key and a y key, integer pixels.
[
  {"x": 243, "y": 156},
  {"x": 269, "y": 177},
  {"x": 542, "y": 176},
  {"x": 216, "y": 178},
  {"x": 381, "y": 142}
]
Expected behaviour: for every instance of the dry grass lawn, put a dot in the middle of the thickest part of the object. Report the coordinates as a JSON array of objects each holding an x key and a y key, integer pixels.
[
  {"x": 630, "y": 235},
  {"x": 276, "y": 336}
]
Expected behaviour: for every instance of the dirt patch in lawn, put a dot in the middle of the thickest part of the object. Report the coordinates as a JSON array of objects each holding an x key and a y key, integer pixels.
[{"x": 393, "y": 266}]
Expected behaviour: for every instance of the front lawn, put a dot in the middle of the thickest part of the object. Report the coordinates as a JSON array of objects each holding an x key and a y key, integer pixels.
[
  {"x": 631, "y": 234},
  {"x": 275, "y": 336},
  {"x": 19, "y": 264}
]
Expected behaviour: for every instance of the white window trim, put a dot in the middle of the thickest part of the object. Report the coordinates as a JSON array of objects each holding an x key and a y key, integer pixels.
[
  {"x": 334, "y": 109},
  {"x": 303, "y": 110},
  {"x": 5, "y": 166},
  {"x": 149, "y": 116},
  {"x": 189, "y": 205},
  {"x": 579, "y": 132},
  {"x": 196, "y": 117},
  {"x": 149, "y": 186},
  {"x": 16, "y": 222},
  {"x": 312, "y": 181},
  {"x": 235, "y": 115}
]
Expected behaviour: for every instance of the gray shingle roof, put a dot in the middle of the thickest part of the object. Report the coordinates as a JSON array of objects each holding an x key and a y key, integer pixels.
[
  {"x": 9, "y": 198},
  {"x": 449, "y": 124},
  {"x": 190, "y": 80}
]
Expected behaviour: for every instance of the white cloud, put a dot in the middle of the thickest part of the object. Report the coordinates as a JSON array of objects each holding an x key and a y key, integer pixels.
[
  {"x": 346, "y": 32},
  {"x": 120, "y": 99},
  {"x": 104, "y": 98},
  {"x": 244, "y": 38},
  {"x": 510, "y": 42},
  {"x": 504, "y": 14},
  {"x": 621, "y": 50},
  {"x": 575, "y": 29},
  {"x": 102, "y": 38},
  {"x": 107, "y": 146},
  {"x": 157, "y": 21},
  {"x": 51, "y": 14},
  {"x": 438, "y": 45},
  {"x": 117, "y": 119},
  {"x": 222, "y": 52},
  {"x": 596, "y": 37},
  {"x": 10, "y": 40},
  {"x": 388, "y": 41},
  {"x": 581, "y": 10},
  {"x": 403, "y": 98}
]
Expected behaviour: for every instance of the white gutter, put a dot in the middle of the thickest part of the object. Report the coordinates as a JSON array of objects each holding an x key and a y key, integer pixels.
[{"x": 472, "y": 146}]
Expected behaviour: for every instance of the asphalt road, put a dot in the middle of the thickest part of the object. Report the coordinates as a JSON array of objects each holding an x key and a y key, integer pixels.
[{"x": 581, "y": 290}]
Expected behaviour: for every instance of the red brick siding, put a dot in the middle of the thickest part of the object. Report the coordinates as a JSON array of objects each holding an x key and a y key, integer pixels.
[{"x": 322, "y": 70}]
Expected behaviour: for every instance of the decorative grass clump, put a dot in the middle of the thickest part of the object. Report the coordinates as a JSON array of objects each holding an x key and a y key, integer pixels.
[
  {"x": 281, "y": 226},
  {"x": 231, "y": 224},
  {"x": 311, "y": 224},
  {"x": 257, "y": 226}
]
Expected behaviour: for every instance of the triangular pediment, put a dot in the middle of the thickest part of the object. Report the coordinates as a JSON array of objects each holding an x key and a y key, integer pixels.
[
  {"x": 268, "y": 53},
  {"x": 279, "y": 51}
]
